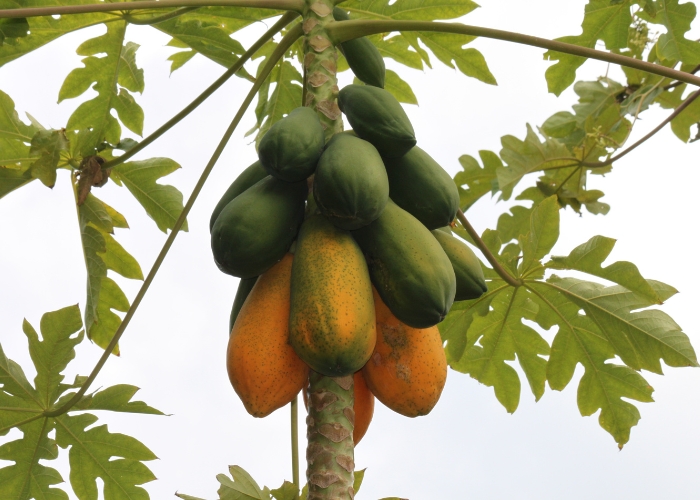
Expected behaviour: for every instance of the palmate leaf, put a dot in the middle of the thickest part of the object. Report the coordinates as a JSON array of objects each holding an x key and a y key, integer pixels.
[
  {"x": 15, "y": 143},
  {"x": 673, "y": 45},
  {"x": 102, "y": 253},
  {"x": 114, "y": 77},
  {"x": 28, "y": 476},
  {"x": 43, "y": 30},
  {"x": 478, "y": 180},
  {"x": 594, "y": 323},
  {"x": 603, "y": 20}
]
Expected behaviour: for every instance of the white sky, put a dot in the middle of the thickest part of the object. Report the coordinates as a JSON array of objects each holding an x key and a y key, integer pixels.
[{"x": 468, "y": 447}]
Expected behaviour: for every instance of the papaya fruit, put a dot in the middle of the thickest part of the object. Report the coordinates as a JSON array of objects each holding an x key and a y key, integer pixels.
[
  {"x": 408, "y": 368},
  {"x": 331, "y": 320},
  {"x": 421, "y": 187},
  {"x": 408, "y": 266},
  {"x": 376, "y": 116},
  {"x": 290, "y": 149},
  {"x": 257, "y": 227},
  {"x": 246, "y": 179},
  {"x": 468, "y": 272},
  {"x": 263, "y": 368},
  {"x": 244, "y": 288},
  {"x": 363, "y": 57},
  {"x": 363, "y": 407},
  {"x": 350, "y": 184}
]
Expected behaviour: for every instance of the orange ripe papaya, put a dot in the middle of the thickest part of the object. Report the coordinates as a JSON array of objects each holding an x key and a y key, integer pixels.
[
  {"x": 408, "y": 368},
  {"x": 364, "y": 406},
  {"x": 263, "y": 368},
  {"x": 331, "y": 320}
]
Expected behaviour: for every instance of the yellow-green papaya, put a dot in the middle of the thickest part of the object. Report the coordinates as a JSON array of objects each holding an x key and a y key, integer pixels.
[
  {"x": 363, "y": 57},
  {"x": 246, "y": 179}
]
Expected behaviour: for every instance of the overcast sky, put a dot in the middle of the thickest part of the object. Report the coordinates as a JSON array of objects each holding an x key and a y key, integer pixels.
[{"x": 468, "y": 447}]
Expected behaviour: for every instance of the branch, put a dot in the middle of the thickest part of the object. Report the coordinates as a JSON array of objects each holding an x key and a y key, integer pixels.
[
  {"x": 283, "y": 21},
  {"x": 676, "y": 84},
  {"x": 487, "y": 253},
  {"x": 159, "y": 19},
  {"x": 641, "y": 141},
  {"x": 279, "y": 52},
  {"x": 341, "y": 31},
  {"x": 295, "y": 5}
]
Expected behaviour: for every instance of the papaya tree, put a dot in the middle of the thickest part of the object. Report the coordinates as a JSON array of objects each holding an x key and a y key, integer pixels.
[{"x": 360, "y": 210}]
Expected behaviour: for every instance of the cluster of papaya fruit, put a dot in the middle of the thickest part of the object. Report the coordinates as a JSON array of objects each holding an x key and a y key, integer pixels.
[{"x": 346, "y": 258}]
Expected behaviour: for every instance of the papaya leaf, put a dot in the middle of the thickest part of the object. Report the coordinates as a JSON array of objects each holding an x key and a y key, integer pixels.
[
  {"x": 523, "y": 157},
  {"x": 603, "y": 20},
  {"x": 449, "y": 49},
  {"x": 398, "y": 49},
  {"x": 15, "y": 143},
  {"x": 640, "y": 338},
  {"x": 588, "y": 258},
  {"x": 543, "y": 234},
  {"x": 673, "y": 45},
  {"x": 409, "y": 9},
  {"x": 242, "y": 487},
  {"x": 102, "y": 252},
  {"x": 399, "y": 88},
  {"x": 603, "y": 385},
  {"x": 97, "y": 453},
  {"x": 163, "y": 203},
  {"x": 478, "y": 180},
  {"x": 43, "y": 30},
  {"x": 47, "y": 145},
  {"x": 13, "y": 28},
  {"x": 681, "y": 125},
  {"x": 288, "y": 491},
  {"x": 187, "y": 497},
  {"x": 500, "y": 336},
  {"x": 516, "y": 223},
  {"x": 114, "y": 77},
  {"x": 359, "y": 477},
  {"x": 92, "y": 451}
]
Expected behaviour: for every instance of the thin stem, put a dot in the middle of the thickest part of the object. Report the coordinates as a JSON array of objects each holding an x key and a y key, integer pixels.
[
  {"x": 295, "y": 5},
  {"x": 278, "y": 53},
  {"x": 22, "y": 422},
  {"x": 676, "y": 84},
  {"x": 283, "y": 21},
  {"x": 641, "y": 141},
  {"x": 295, "y": 441},
  {"x": 347, "y": 30},
  {"x": 158, "y": 19},
  {"x": 21, "y": 410},
  {"x": 487, "y": 253}
]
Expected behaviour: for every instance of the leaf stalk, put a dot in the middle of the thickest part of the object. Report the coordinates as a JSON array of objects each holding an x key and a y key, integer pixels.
[
  {"x": 158, "y": 19},
  {"x": 505, "y": 275},
  {"x": 342, "y": 31}
]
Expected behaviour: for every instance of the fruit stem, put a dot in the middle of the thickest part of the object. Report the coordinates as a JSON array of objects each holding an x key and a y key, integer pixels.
[{"x": 487, "y": 253}]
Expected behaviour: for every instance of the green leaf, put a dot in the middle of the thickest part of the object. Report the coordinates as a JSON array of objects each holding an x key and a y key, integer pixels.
[
  {"x": 102, "y": 253},
  {"x": 359, "y": 477},
  {"x": 95, "y": 453},
  {"x": 399, "y": 88},
  {"x": 242, "y": 487},
  {"x": 672, "y": 45},
  {"x": 286, "y": 492},
  {"x": 43, "y": 30},
  {"x": 15, "y": 142},
  {"x": 501, "y": 336},
  {"x": 588, "y": 258},
  {"x": 47, "y": 145},
  {"x": 543, "y": 234},
  {"x": 603, "y": 385},
  {"x": 603, "y": 20},
  {"x": 13, "y": 28},
  {"x": 527, "y": 156},
  {"x": 187, "y": 497},
  {"x": 398, "y": 49},
  {"x": 681, "y": 125},
  {"x": 117, "y": 398},
  {"x": 162, "y": 203},
  {"x": 449, "y": 49},
  {"x": 478, "y": 180},
  {"x": 113, "y": 77},
  {"x": 409, "y": 9},
  {"x": 640, "y": 338}
]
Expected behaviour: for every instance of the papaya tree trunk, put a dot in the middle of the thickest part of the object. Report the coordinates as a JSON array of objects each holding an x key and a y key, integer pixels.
[{"x": 331, "y": 419}]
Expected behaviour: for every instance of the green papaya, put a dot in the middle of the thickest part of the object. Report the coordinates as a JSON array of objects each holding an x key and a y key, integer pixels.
[
  {"x": 421, "y": 187},
  {"x": 246, "y": 179},
  {"x": 291, "y": 148},
  {"x": 468, "y": 272},
  {"x": 255, "y": 229},
  {"x": 350, "y": 185},
  {"x": 363, "y": 57},
  {"x": 408, "y": 267},
  {"x": 376, "y": 116},
  {"x": 244, "y": 288}
]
